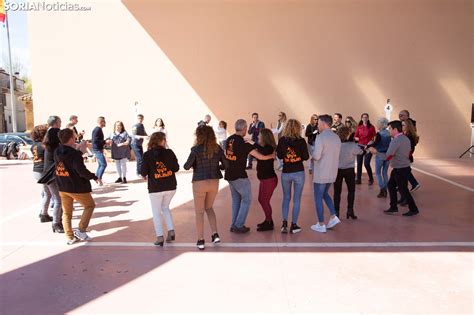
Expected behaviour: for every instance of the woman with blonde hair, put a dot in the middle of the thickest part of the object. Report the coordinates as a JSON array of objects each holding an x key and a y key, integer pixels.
[
  {"x": 293, "y": 150},
  {"x": 207, "y": 160},
  {"x": 120, "y": 150},
  {"x": 159, "y": 167}
]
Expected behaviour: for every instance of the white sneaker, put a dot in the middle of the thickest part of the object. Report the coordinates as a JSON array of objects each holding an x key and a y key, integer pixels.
[
  {"x": 74, "y": 240},
  {"x": 82, "y": 235},
  {"x": 319, "y": 228},
  {"x": 333, "y": 222}
]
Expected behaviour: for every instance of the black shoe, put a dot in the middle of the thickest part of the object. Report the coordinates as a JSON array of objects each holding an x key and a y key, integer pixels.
[
  {"x": 240, "y": 230},
  {"x": 45, "y": 218},
  {"x": 58, "y": 228},
  {"x": 119, "y": 180},
  {"x": 371, "y": 182},
  {"x": 350, "y": 214},
  {"x": 284, "y": 227},
  {"x": 358, "y": 182},
  {"x": 200, "y": 244},
  {"x": 390, "y": 211},
  {"x": 411, "y": 213},
  {"x": 262, "y": 224},
  {"x": 266, "y": 226},
  {"x": 171, "y": 236},
  {"x": 215, "y": 238},
  {"x": 159, "y": 241},
  {"x": 381, "y": 194},
  {"x": 124, "y": 180},
  {"x": 294, "y": 228}
]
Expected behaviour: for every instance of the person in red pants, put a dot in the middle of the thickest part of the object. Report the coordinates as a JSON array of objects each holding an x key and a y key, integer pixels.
[{"x": 266, "y": 145}]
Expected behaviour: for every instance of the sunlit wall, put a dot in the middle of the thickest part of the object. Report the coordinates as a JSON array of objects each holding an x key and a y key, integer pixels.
[{"x": 183, "y": 59}]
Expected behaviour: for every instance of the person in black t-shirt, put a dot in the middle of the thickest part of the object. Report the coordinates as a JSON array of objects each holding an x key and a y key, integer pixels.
[
  {"x": 236, "y": 152},
  {"x": 98, "y": 143},
  {"x": 293, "y": 150},
  {"x": 266, "y": 145},
  {"x": 37, "y": 149},
  {"x": 159, "y": 167},
  {"x": 51, "y": 143},
  {"x": 138, "y": 136}
]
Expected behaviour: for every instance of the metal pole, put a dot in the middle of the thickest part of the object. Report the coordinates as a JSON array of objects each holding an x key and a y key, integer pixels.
[{"x": 12, "y": 86}]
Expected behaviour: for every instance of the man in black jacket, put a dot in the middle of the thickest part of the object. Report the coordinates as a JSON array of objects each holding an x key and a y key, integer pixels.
[{"x": 73, "y": 178}]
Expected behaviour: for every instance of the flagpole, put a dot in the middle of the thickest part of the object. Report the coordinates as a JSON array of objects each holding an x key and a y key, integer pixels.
[{"x": 12, "y": 87}]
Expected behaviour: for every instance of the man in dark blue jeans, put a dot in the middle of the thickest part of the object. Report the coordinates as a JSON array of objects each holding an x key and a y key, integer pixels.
[
  {"x": 138, "y": 135},
  {"x": 98, "y": 143}
]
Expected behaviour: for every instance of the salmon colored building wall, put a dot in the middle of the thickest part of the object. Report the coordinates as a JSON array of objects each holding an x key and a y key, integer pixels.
[{"x": 183, "y": 59}]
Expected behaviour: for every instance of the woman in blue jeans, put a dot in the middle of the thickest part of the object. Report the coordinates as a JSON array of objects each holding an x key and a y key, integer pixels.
[
  {"x": 381, "y": 143},
  {"x": 292, "y": 149}
]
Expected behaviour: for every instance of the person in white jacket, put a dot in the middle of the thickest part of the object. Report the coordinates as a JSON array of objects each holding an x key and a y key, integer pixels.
[
  {"x": 278, "y": 131},
  {"x": 326, "y": 152}
]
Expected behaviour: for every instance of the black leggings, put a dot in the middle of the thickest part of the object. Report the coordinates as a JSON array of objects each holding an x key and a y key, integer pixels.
[
  {"x": 366, "y": 157},
  {"x": 349, "y": 176}
]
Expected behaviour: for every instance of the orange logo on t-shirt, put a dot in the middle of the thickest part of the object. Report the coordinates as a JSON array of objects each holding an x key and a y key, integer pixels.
[
  {"x": 291, "y": 156},
  {"x": 229, "y": 152},
  {"x": 61, "y": 170},
  {"x": 162, "y": 171},
  {"x": 36, "y": 158}
]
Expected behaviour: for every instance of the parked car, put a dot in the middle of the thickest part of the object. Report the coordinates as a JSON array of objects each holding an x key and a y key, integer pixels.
[{"x": 21, "y": 138}]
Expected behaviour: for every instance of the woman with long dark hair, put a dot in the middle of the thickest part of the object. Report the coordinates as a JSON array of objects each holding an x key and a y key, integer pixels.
[
  {"x": 266, "y": 145},
  {"x": 207, "y": 160},
  {"x": 160, "y": 126},
  {"x": 160, "y": 166},
  {"x": 364, "y": 136},
  {"x": 409, "y": 130}
]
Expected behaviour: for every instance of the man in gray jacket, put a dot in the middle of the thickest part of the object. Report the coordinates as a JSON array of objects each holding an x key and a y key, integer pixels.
[
  {"x": 326, "y": 152},
  {"x": 398, "y": 154}
]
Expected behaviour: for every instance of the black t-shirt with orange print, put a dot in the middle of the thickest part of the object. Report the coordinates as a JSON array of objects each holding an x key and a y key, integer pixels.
[
  {"x": 37, "y": 149},
  {"x": 160, "y": 166},
  {"x": 293, "y": 152},
  {"x": 70, "y": 171},
  {"x": 236, "y": 153}
]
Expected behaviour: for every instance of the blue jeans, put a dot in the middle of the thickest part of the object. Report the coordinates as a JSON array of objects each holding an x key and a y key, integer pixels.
[
  {"x": 381, "y": 171},
  {"x": 138, "y": 151},
  {"x": 241, "y": 192},
  {"x": 287, "y": 179},
  {"x": 320, "y": 193},
  {"x": 99, "y": 155}
]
